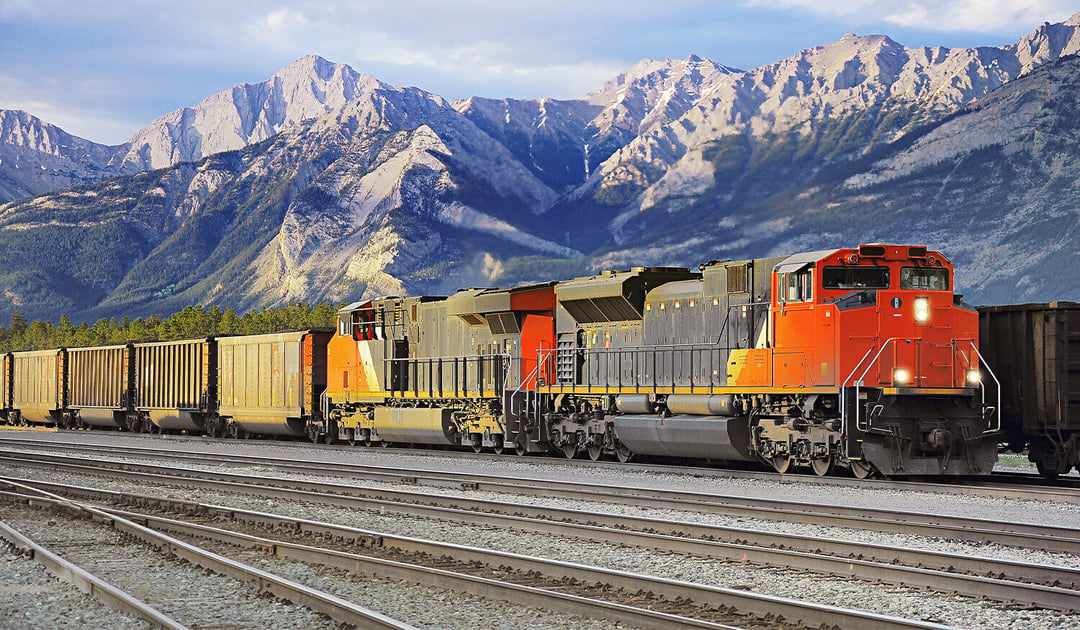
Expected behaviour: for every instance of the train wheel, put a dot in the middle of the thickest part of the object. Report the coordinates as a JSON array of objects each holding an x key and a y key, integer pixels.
[
  {"x": 367, "y": 438},
  {"x": 570, "y": 450},
  {"x": 781, "y": 463},
  {"x": 861, "y": 469},
  {"x": 350, "y": 436},
  {"x": 595, "y": 451},
  {"x": 624, "y": 454},
  {"x": 1045, "y": 470},
  {"x": 384, "y": 444},
  {"x": 822, "y": 467},
  {"x": 477, "y": 446},
  {"x": 498, "y": 448},
  {"x": 520, "y": 448}
]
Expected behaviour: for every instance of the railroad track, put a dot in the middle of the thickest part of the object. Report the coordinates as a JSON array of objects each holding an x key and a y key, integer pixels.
[
  {"x": 1007, "y": 485},
  {"x": 621, "y": 597},
  {"x": 1015, "y": 534},
  {"x": 1026, "y": 583},
  {"x": 120, "y": 561}
]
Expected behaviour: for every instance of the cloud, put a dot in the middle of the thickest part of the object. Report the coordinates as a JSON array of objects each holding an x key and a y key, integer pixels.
[{"x": 986, "y": 16}]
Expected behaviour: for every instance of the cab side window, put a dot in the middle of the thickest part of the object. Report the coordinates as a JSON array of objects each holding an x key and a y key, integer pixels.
[{"x": 797, "y": 286}]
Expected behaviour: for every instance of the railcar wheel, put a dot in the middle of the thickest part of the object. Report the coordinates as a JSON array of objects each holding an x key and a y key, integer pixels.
[
  {"x": 570, "y": 450},
  {"x": 367, "y": 438},
  {"x": 822, "y": 467},
  {"x": 520, "y": 448},
  {"x": 624, "y": 454},
  {"x": 477, "y": 446},
  {"x": 350, "y": 436},
  {"x": 781, "y": 463},
  {"x": 595, "y": 451},
  {"x": 385, "y": 444},
  {"x": 498, "y": 448},
  {"x": 1045, "y": 471},
  {"x": 861, "y": 469}
]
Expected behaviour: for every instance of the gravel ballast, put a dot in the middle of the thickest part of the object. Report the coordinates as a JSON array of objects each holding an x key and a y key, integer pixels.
[{"x": 899, "y": 601}]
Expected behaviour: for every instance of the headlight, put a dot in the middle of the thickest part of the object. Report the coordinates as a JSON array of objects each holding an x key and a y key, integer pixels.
[
  {"x": 900, "y": 376},
  {"x": 922, "y": 309},
  {"x": 973, "y": 377}
]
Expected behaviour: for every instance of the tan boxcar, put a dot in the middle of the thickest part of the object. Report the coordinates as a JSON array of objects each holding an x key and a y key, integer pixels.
[
  {"x": 5, "y": 385},
  {"x": 175, "y": 382},
  {"x": 272, "y": 384},
  {"x": 37, "y": 386},
  {"x": 100, "y": 380}
]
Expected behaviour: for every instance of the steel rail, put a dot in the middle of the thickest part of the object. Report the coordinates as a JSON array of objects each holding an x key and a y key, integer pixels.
[
  {"x": 88, "y": 583},
  {"x": 806, "y": 613},
  {"x": 1026, "y": 535},
  {"x": 1062, "y": 490},
  {"x": 1046, "y": 586},
  {"x": 319, "y": 601}
]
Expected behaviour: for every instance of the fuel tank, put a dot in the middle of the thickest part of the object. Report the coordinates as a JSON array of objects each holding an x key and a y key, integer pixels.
[
  {"x": 701, "y": 437},
  {"x": 416, "y": 425}
]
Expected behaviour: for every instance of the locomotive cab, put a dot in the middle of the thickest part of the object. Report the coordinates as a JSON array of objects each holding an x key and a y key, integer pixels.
[{"x": 882, "y": 325}]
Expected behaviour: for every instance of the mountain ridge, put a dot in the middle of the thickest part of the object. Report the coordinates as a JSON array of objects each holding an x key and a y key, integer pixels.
[{"x": 323, "y": 183}]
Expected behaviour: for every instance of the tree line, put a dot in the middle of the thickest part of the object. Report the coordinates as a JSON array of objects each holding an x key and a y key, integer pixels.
[{"x": 191, "y": 323}]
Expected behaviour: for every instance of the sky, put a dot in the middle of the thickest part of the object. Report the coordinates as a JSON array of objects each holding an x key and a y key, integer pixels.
[{"x": 103, "y": 69}]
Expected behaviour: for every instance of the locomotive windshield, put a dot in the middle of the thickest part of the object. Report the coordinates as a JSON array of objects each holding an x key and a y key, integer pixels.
[
  {"x": 855, "y": 277},
  {"x": 924, "y": 279}
]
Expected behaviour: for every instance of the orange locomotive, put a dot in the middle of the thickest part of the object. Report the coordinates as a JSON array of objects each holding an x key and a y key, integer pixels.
[{"x": 859, "y": 358}]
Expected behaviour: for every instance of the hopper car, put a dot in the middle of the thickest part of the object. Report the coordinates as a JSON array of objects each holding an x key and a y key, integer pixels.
[{"x": 1035, "y": 350}]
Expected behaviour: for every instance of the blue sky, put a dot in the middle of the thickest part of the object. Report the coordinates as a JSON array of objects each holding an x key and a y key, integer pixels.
[{"x": 105, "y": 68}]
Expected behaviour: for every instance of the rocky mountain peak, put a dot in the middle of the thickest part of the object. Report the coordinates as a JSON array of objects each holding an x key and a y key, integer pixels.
[{"x": 247, "y": 113}]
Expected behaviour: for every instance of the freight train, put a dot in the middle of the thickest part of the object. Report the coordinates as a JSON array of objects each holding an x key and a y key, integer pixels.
[{"x": 861, "y": 359}]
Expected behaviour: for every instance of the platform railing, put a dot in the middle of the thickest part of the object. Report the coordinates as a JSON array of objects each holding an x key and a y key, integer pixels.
[{"x": 477, "y": 375}]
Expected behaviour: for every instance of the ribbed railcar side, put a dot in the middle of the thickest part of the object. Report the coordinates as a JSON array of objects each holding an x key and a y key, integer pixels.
[
  {"x": 101, "y": 381},
  {"x": 39, "y": 386},
  {"x": 176, "y": 383},
  {"x": 271, "y": 384}
]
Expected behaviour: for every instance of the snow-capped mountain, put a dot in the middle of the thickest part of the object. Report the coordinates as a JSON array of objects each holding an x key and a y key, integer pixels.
[
  {"x": 307, "y": 89},
  {"x": 37, "y": 157},
  {"x": 322, "y": 183}
]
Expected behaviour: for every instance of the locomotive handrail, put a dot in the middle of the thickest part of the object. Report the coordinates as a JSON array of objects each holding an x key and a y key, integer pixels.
[
  {"x": 403, "y": 365},
  {"x": 997, "y": 410},
  {"x": 542, "y": 355},
  {"x": 858, "y": 383}
]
